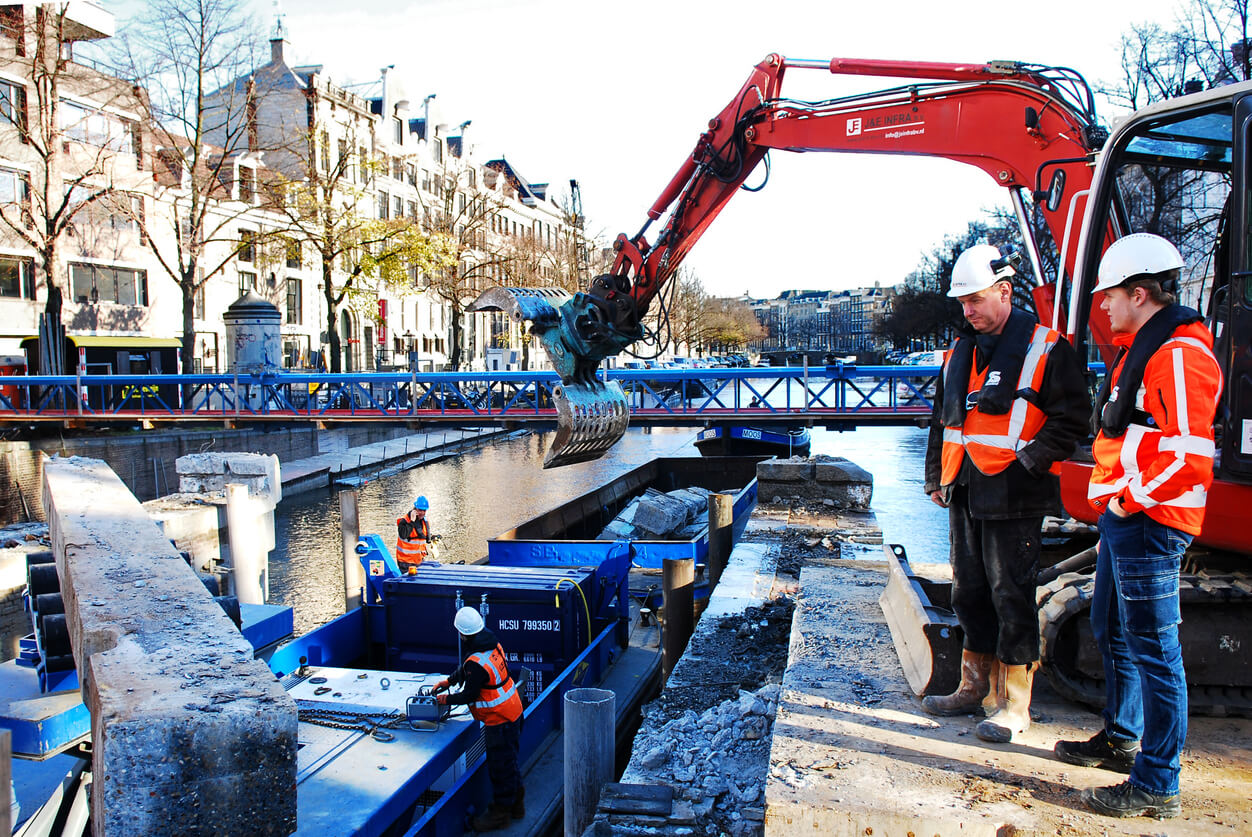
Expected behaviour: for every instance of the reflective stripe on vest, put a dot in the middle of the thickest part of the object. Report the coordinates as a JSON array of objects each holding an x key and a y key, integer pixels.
[
  {"x": 992, "y": 442},
  {"x": 498, "y": 702}
]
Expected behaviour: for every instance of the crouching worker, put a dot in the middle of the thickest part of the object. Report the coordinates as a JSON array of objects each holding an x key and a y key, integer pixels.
[{"x": 493, "y": 698}]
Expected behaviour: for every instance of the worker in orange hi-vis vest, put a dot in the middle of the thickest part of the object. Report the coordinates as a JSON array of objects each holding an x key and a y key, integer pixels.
[
  {"x": 1010, "y": 404},
  {"x": 413, "y": 536},
  {"x": 1153, "y": 467},
  {"x": 493, "y": 698}
]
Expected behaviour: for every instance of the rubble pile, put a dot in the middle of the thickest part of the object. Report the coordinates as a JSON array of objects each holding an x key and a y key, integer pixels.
[
  {"x": 716, "y": 761},
  {"x": 672, "y": 515}
]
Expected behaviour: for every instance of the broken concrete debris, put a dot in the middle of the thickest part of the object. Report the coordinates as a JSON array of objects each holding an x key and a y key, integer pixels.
[{"x": 656, "y": 515}]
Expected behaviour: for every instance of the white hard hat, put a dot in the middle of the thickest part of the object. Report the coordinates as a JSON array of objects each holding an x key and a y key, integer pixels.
[
  {"x": 977, "y": 269},
  {"x": 468, "y": 621},
  {"x": 1133, "y": 255}
]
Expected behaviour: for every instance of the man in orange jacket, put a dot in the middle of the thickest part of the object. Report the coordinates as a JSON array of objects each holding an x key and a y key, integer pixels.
[
  {"x": 1153, "y": 466},
  {"x": 493, "y": 698},
  {"x": 413, "y": 536},
  {"x": 1010, "y": 403}
]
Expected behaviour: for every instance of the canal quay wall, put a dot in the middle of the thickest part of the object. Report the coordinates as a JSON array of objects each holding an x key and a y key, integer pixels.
[
  {"x": 832, "y": 741},
  {"x": 145, "y": 460}
]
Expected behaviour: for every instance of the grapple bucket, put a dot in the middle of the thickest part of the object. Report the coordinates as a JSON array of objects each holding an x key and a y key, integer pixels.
[
  {"x": 589, "y": 421},
  {"x": 591, "y": 414}
]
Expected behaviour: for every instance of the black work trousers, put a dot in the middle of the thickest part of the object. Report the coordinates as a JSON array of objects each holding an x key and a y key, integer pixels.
[
  {"x": 994, "y": 567},
  {"x": 502, "y": 743}
]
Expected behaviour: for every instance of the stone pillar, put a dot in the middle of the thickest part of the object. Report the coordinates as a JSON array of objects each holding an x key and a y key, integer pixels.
[{"x": 191, "y": 734}]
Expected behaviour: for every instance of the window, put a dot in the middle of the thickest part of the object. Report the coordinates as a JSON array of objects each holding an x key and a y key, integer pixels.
[
  {"x": 17, "y": 278},
  {"x": 425, "y": 180},
  {"x": 247, "y": 246},
  {"x": 14, "y": 186},
  {"x": 94, "y": 127},
  {"x": 324, "y": 147},
  {"x": 384, "y": 203},
  {"x": 13, "y": 104},
  {"x": 398, "y": 207},
  {"x": 294, "y": 304},
  {"x": 247, "y": 184},
  {"x": 366, "y": 176},
  {"x": 199, "y": 299},
  {"x": 293, "y": 253},
  {"x": 411, "y": 209},
  {"x": 342, "y": 163},
  {"x": 397, "y": 169},
  {"x": 472, "y": 178},
  {"x": 437, "y": 150},
  {"x": 247, "y": 282},
  {"x": 411, "y": 171},
  {"x": 397, "y": 126},
  {"x": 118, "y": 285}
]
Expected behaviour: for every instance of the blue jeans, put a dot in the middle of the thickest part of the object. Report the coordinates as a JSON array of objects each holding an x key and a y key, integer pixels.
[{"x": 1135, "y": 614}]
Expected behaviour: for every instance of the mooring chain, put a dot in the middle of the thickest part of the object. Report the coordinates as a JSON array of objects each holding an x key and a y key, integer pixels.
[{"x": 372, "y": 723}]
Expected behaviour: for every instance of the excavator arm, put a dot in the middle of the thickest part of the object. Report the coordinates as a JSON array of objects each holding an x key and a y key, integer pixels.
[{"x": 1031, "y": 128}]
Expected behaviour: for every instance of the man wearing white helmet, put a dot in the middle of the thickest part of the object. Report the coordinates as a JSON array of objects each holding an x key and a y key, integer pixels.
[
  {"x": 1153, "y": 466},
  {"x": 493, "y": 698},
  {"x": 1010, "y": 405}
]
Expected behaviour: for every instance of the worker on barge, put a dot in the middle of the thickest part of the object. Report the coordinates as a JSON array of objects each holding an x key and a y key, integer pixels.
[
  {"x": 1011, "y": 403},
  {"x": 494, "y": 700},
  {"x": 413, "y": 537}
]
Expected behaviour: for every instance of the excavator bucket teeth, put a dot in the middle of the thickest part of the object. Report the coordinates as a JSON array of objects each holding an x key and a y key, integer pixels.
[
  {"x": 590, "y": 420},
  {"x": 539, "y": 305}
]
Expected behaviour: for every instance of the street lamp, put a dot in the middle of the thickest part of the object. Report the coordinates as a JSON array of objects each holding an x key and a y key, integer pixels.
[{"x": 411, "y": 348}]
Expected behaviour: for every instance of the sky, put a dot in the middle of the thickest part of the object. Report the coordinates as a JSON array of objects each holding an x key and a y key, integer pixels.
[{"x": 615, "y": 94}]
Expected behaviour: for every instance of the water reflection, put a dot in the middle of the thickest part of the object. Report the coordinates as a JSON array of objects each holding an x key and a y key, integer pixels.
[{"x": 480, "y": 494}]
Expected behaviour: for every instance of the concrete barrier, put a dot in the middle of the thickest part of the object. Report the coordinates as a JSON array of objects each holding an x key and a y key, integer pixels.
[
  {"x": 191, "y": 735},
  {"x": 830, "y": 480}
]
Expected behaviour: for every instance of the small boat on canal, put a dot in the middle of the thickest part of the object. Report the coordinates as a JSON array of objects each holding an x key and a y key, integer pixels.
[{"x": 747, "y": 440}]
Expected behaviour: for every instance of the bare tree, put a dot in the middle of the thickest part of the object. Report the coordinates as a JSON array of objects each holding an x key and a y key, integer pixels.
[
  {"x": 191, "y": 55},
  {"x": 75, "y": 152},
  {"x": 467, "y": 216}
]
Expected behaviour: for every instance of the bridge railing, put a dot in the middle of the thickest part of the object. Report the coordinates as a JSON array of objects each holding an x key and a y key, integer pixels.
[{"x": 767, "y": 393}]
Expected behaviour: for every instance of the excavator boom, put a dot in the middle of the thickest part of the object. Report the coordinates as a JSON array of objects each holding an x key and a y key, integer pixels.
[{"x": 1025, "y": 125}]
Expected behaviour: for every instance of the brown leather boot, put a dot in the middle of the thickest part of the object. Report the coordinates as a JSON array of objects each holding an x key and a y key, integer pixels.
[
  {"x": 975, "y": 673},
  {"x": 1013, "y": 717},
  {"x": 496, "y": 816},
  {"x": 519, "y": 805},
  {"x": 994, "y": 701}
]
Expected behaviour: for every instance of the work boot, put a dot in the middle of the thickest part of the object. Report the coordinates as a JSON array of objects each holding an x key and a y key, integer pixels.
[
  {"x": 1013, "y": 716},
  {"x": 496, "y": 816},
  {"x": 1099, "y": 751},
  {"x": 519, "y": 806},
  {"x": 975, "y": 683},
  {"x": 1126, "y": 800},
  {"x": 993, "y": 702}
]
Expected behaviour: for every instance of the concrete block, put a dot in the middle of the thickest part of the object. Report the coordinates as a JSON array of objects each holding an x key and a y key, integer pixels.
[
  {"x": 191, "y": 734},
  {"x": 658, "y": 514},
  {"x": 836, "y": 469},
  {"x": 200, "y": 463},
  {"x": 795, "y": 469}
]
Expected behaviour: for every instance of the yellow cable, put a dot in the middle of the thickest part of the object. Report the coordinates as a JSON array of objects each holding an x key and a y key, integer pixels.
[{"x": 586, "y": 610}]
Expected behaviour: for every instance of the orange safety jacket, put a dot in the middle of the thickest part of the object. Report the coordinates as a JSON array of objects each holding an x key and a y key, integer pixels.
[
  {"x": 411, "y": 551},
  {"x": 992, "y": 441},
  {"x": 498, "y": 701},
  {"x": 1163, "y": 464}
]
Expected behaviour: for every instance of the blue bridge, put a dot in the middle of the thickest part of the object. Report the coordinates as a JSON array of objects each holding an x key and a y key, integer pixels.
[{"x": 839, "y": 397}]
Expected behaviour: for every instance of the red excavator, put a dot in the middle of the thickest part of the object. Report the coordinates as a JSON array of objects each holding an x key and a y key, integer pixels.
[{"x": 1178, "y": 168}]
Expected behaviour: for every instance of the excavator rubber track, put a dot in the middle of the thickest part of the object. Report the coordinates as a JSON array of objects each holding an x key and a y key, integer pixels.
[{"x": 1216, "y": 608}]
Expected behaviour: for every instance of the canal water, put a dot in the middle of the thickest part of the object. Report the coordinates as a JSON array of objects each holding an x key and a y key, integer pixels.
[{"x": 479, "y": 494}]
